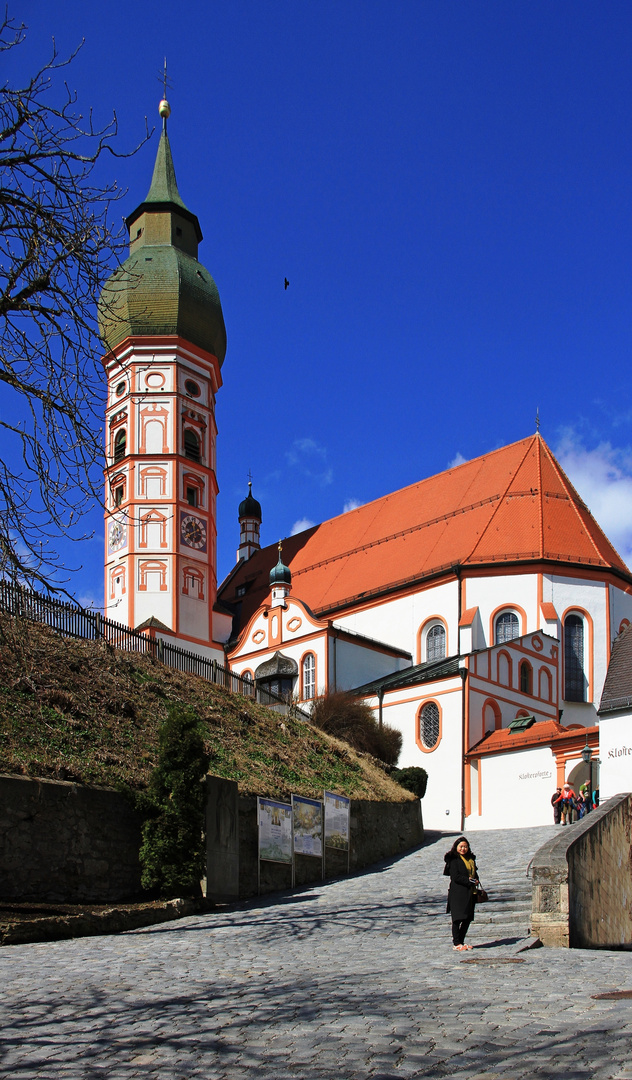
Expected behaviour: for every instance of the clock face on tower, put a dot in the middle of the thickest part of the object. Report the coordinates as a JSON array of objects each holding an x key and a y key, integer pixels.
[
  {"x": 117, "y": 538},
  {"x": 193, "y": 532}
]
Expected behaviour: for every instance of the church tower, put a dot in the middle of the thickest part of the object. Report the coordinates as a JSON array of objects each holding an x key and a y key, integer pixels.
[{"x": 161, "y": 320}]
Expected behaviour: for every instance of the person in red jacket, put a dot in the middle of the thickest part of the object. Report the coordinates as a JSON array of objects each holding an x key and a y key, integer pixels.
[{"x": 568, "y": 804}]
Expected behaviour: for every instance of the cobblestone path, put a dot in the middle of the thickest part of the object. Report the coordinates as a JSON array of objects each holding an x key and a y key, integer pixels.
[{"x": 354, "y": 979}]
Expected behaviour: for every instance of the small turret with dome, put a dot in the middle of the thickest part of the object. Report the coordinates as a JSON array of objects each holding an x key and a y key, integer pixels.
[
  {"x": 161, "y": 288},
  {"x": 280, "y": 581},
  {"x": 249, "y": 525}
]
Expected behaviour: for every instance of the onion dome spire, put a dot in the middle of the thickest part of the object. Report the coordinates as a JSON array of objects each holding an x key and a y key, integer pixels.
[
  {"x": 280, "y": 574},
  {"x": 162, "y": 289},
  {"x": 249, "y": 525}
]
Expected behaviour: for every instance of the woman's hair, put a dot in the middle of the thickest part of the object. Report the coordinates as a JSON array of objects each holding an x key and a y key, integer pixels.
[{"x": 452, "y": 853}]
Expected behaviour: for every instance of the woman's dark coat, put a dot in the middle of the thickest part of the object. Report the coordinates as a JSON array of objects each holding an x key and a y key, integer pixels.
[{"x": 460, "y": 898}]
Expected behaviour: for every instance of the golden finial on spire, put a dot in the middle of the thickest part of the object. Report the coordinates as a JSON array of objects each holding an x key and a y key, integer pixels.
[
  {"x": 164, "y": 108},
  {"x": 280, "y": 550}
]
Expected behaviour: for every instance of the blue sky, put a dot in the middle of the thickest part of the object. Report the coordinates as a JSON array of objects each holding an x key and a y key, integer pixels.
[{"x": 446, "y": 185}]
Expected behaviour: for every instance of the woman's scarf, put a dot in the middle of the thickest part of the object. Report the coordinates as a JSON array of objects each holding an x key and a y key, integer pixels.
[{"x": 471, "y": 869}]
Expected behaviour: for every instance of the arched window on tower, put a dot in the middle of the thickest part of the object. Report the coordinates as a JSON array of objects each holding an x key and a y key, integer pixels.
[
  {"x": 574, "y": 678},
  {"x": 435, "y": 642},
  {"x": 309, "y": 677},
  {"x": 120, "y": 445},
  {"x": 506, "y": 628},
  {"x": 191, "y": 445}
]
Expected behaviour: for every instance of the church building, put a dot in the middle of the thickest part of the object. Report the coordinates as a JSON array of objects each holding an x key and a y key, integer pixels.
[{"x": 475, "y": 610}]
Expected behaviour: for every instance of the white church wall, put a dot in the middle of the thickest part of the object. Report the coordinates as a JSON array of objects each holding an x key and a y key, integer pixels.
[
  {"x": 620, "y": 610},
  {"x": 515, "y": 790},
  {"x": 401, "y": 708},
  {"x": 355, "y": 664},
  {"x": 615, "y": 754},
  {"x": 399, "y": 621},
  {"x": 513, "y": 592}
]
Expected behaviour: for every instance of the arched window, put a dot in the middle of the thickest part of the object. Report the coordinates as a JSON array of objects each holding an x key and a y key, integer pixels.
[
  {"x": 545, "y": 684},
  {"x": 309, "y": 676},
  {"x": 574, "y": 678},
  {"x": 526, "y": 677},
  {"x": 120, "y": 445},
  {"x": 191, "y": 445},
  {"x": 507, "y": 627},
  {"x": 435, "y": 642},
  {"x": 248, "y": 683},
  {"x": 429, "y": 725}
]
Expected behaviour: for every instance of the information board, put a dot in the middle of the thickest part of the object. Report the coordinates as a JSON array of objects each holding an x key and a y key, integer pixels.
[
  {"x": 307, "y": 816},
  {"x": 337, "y": 812},
  {"x": 275, "y": 831}
]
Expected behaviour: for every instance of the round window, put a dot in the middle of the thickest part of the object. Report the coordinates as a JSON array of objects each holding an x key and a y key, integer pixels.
[
  {"x": 192, "y": 388},
  {"x": 120, "y": 389}
]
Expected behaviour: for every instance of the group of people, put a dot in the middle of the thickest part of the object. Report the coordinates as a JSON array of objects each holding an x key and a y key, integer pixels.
[{"x": 569, "y": 807}]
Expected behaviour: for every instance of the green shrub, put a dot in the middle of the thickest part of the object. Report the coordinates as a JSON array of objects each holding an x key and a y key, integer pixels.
[
  {"x": 413, "y": 779},
  {"x": 351, "y": 719},
  {"x": 172, "y": 853}
]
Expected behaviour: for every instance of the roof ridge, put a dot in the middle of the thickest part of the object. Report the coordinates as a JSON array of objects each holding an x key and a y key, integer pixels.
[
  {"x": 540, "y": 493},
  {"x": 501, "y": 498},
  {"x": 575, "y": 498}
]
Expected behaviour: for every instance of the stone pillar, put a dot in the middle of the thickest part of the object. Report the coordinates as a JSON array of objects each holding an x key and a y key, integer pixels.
[{"x": 222, "y": 840}]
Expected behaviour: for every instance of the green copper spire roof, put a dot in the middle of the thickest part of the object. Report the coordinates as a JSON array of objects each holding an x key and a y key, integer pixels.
[
  {"x": 162, "y": 289},
  {"x": 164, "y": 188}
]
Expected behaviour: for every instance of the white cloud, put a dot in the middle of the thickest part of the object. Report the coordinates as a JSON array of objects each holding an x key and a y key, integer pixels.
[
  {"x": 351, "y": 504},
  {"x": 300, "y": 525},
  {"x": 310, "y": 458},
  {"x": 458, "y": 459},
  {"x": 603, "y": 478}
]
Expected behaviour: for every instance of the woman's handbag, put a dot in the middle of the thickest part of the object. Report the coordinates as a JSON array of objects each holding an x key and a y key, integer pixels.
[{"x": 480, "y": 896}]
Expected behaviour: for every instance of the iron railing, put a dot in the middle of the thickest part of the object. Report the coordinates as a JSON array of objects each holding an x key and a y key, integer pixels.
[{"x": 70, "y": 620}]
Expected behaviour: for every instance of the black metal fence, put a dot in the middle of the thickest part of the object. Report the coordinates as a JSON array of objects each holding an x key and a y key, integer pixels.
[{"x": 70, "y": 620}]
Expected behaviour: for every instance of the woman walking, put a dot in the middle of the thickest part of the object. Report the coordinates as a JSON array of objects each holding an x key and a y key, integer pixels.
[{"x": 460, "y": 867}]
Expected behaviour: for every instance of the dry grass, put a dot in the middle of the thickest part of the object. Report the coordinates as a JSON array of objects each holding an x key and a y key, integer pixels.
[{"x": 82, "y": 711}]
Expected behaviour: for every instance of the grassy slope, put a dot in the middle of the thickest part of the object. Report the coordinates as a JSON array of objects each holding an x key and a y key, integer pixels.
[{"x": 75, "y": 710}]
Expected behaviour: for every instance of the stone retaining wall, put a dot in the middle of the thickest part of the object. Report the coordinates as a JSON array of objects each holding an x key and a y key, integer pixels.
[
  {"x": 66, "y": 843},
  {"x": 582, "y": 881},
  {"x": 70, "y": 843}
]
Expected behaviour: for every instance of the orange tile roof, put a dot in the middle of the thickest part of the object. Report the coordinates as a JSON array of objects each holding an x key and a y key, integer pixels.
[
  {"x": 542, "y": 733},
  {"x": 511, "y": 505},
  {"x": 548, "y": 610},
  {"x": 468, "y": 616}
]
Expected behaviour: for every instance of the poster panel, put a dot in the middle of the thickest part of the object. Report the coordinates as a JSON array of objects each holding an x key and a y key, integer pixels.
[
  {"x": 337, "y": 811},
  {"x": 275, "y": 830},
  {"x": 308, "y": 826}
]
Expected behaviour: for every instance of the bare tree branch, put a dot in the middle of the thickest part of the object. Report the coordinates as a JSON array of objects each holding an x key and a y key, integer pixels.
[{"x": 57, "y": 248}]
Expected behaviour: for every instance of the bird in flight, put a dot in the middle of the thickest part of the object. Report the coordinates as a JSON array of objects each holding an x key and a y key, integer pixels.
[{"x": 286, "y": 283}]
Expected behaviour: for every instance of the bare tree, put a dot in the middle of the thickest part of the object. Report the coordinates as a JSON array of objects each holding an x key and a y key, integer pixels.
[{"x": 57, "y": 248}]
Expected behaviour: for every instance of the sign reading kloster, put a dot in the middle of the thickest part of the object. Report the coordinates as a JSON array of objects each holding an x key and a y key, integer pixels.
[
  {"x": 544, "y": 774},
  {"x": 620, "y": 751}
]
